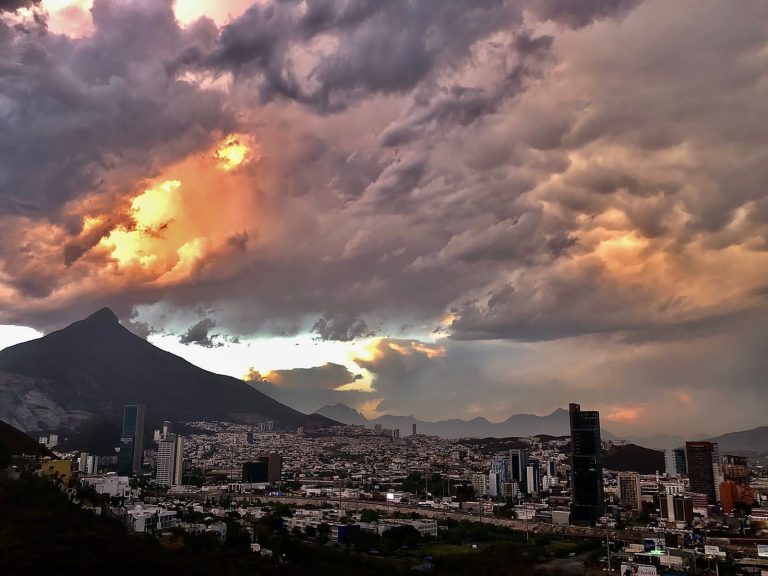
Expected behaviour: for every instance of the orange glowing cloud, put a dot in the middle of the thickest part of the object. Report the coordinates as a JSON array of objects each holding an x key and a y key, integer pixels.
[
  {"x": 234, "y": 152},
  {"x": 629, "y": 414},
  {"x": 414, "y": 346},
  {"x": 190, "y": 211}
]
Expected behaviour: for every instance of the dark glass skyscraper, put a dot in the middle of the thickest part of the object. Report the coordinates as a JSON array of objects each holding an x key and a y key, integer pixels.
[
  {"x": 703, "y": 462},
  {"x": 129, "y": 459},
  {"x": 518, "y": 467},
  {"x": 586, "y": 466}
]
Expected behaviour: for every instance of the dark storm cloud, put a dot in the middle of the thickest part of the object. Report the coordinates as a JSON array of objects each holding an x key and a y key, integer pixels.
[
  {"x": 94, "y": 115},
  {"x": 342, "y": 328},
  {"x": 307, "y": 389},
  {"x": 580, "y": 13},
  {"x": 13, "y": 5},
  {"x": 200, "y": 334},
  {"x": 460, "y": 105},
  {"x": 377, "y": 47}
]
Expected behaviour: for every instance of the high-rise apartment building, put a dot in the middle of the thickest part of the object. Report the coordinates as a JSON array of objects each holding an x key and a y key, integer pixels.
[
  {"x": 703, "y": 463},
  {"x": 479, "y": 483},
  {"x": 586, "y": 466},
  {"x": 629, "y": 490},
  {"x": 533, "y": 477},
  {"x": 131, "y": 454},
  {"x": 170, "y": 458}
]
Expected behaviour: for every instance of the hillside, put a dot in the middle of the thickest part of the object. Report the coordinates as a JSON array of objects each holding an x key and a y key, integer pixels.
[
  {"x": 633, "y": 458},
  {"x": 15, "y": 441},
  {"x": 89, "y": 370},
  {"x": 755, "y": 440}
]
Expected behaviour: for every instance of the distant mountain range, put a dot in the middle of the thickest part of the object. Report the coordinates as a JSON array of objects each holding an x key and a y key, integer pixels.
[
  {"x": 88, "y": 371},
  {"x": 555, "y": 424},
  {"x": 754, "y": 440}
]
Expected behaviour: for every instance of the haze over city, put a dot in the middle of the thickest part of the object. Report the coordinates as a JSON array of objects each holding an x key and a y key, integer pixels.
[{"x": 448, "y": 209}]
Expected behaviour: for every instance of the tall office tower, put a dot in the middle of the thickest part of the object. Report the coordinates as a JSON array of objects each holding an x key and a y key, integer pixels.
[
  {"x": 533, "y": 477},
  {"x": 674, "y": 462},
  {"x": 629, "y": 490},
  {"x": 178, "y": 462},
  {"x": 413, "y": 433},
  {"x": 552, "y": 468},
  {"x": 494, "y": 488},
  {"x": 500, "y": 467},
  {"x": 586, "y": 466},
  {"x": 518, "y": 468},
  {"x": 703, "y": 461},
  {"x": 274, "y": 467},
  {"x": 131, "y": 441}
]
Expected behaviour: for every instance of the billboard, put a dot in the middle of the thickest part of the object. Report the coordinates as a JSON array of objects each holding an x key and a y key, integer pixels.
[
  {"x": 638, "y": 570},
  {"x": 762, "y": 550}
]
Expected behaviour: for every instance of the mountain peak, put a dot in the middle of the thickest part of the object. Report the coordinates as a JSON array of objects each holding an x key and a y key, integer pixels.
[{"x": 103, "y": 316}]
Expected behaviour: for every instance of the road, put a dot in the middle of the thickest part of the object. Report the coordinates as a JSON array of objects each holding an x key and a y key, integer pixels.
[{"x": 519, "y": 525}]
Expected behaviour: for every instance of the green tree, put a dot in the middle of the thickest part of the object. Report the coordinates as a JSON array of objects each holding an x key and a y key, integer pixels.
[{"x": 367, "y": 515}]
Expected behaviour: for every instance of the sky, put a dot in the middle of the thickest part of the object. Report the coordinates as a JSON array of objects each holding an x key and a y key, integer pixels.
[{"x": 445, "y": 209}]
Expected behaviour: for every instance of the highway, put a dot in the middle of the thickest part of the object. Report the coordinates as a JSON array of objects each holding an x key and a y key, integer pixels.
[{"x": 519, "y": 525}]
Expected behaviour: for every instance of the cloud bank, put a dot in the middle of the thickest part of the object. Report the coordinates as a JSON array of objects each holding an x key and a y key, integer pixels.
[{"x": 519, "y": 179}]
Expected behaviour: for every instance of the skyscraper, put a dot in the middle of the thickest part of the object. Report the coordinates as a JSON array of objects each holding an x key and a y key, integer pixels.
[
  {"x": 533, "y": 477},
  {"x": 170, "y": 457},
  {"x": 674, "y": 462},
  {"x": 518, "y": 468},
  {"x": 131, "y": 441},
  {"x": 586, "y": 466},
  {"x": 703, "y": 464},
  {"x": 166, "y": 456},
  {"x": 178, "y": 463}
]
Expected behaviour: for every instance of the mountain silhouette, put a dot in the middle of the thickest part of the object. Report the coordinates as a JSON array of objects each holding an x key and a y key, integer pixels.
[
  {"x": 92, "y": 368},
  {"x": 518, "y": 425}
]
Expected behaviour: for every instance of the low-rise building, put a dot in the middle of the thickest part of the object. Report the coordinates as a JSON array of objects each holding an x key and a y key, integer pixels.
[
  {"x": 150, "y": 519},
  {"x": 58, "y": 469}
]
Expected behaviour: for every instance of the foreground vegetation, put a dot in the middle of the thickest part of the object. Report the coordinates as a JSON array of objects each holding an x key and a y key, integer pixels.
[{"x": 42, "y": 532}]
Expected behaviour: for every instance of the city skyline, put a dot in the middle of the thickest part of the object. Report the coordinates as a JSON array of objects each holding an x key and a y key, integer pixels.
[{"x": 450, "y": 210}]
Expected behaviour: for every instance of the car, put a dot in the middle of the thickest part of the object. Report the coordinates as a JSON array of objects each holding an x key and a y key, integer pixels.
[{"x": 572, "y": 554}]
